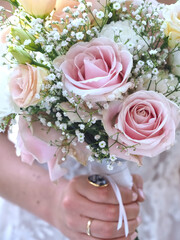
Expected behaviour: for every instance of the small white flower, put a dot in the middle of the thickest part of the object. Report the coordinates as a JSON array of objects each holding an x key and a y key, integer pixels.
[
  {"x": 73, "y": 34},
  {"x": 51, "y": 77},
  {"x": 81, "y": 7},
  {"x": 80, "y": 137},
  {"x": 116, "y": 6},
  {"x": 89, "y": 4},
  {"x": 66, "y": 9},
  {"x": 124, "y": 9},
  {"x": 49, "y": 124},
  {"x": 102, "y": 144},
  {"x": 59, "y": 85},
  {"x": 27, "y": 42},
  {"x": 104, "y": 152},
  {"x": 82, "y": 126},
  {"x": 43, "y": 121},
  {"x": 110, "y": 167},
  {"x": 85, "y": 15},
  {"x": 110, "y": 15},
  {"x": 38, "y": 27},
  {"x": 56, "y": 36},
  {"x": 138, "y": 17},
  {"x": 106, "y": 106},
  {"x": 155, "y": 71},
  {"x": 153, "y": 52},
  {"x": 37, "y": 96},
  {"x": 94, "y": 119},
  {"x": 79, "y": 35},
  {"x": 65, "y": 93},
  {"x": 140, "y": 63},
  {"x": 113, "y": 158},
  {"x": 97, "y": 137},
  {"x": 64, "y": 150},
  {"x": 150, "y": 63},
  {"x": 64, "y": 43},
  {"x": 88, "y": 32},
  {"x": 100, "y": 15},
  {"x": 89, "y": 105},
  {"x": 63, "y": 126},
  {"x": 49, "y": 48},
  {"x": 76, "y": 14}
]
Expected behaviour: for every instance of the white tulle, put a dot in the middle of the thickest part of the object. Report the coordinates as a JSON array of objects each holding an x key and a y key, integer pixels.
[{"x": 160, "y": 212}]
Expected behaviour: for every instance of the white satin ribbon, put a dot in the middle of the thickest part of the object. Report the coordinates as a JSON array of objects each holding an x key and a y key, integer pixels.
[
  {"x": 119, "y": 176},
  {"x": 122, "y": 212}
]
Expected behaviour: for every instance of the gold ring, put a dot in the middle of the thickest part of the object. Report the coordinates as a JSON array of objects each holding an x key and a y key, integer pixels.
[
  {"x": 98, "y": 181},
  {"x": 88, "y": 231}
]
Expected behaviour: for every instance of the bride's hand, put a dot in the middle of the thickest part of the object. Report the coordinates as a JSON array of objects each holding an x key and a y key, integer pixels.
[{"x": 81, "y": 201}]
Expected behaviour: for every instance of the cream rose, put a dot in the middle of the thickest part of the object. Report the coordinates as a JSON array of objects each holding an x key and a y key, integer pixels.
[
  {"x": 126, "y": 34},
  {"x": 97, "y": 70},
  {"x": 145, "y": 123},
  {"x": 25, "y": 84},
  {"x": 172, "y": 23},
  {"x": 40, "y": 8}
]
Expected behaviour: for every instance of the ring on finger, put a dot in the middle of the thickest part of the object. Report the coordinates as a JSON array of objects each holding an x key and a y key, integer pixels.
[
  {"x": 98, "y": 181},
  {"x": 88, "y": 229}
]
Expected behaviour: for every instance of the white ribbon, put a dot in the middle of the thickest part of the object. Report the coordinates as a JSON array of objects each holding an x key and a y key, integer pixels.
[{"x": 119, "y": 176}]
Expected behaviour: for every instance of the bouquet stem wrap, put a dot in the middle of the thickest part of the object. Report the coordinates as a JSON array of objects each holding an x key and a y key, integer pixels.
[{"x": 119, "y": 176}]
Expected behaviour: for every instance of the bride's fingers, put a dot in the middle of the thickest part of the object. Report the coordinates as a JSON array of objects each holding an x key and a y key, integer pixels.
[
  {"x": 101, "y": 229},
  {"x": 85, "y": 237},
  {"x": 103, "y": 194},
  {"x": 100, "y": 211},
  {"x": 138, "y": 187},
  {"x": 108, "y": 230}
]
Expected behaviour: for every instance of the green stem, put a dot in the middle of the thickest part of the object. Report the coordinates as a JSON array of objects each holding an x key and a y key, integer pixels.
[{"x": 40, "y": 65}]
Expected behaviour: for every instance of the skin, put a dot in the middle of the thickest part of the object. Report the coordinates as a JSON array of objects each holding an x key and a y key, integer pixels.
[{"x": 67, "y": 205}]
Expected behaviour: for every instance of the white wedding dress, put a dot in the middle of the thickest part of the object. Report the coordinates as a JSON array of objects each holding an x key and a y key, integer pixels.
[{"x": 160, "y": 212}]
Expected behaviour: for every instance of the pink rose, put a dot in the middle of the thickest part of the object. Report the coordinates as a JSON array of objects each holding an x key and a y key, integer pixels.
[
  {"x": 33, "y": 142},
  {"x": 146, "y": 120},
  {"x": 25, "y": 84},
  {"x": 97, "y": 70}
]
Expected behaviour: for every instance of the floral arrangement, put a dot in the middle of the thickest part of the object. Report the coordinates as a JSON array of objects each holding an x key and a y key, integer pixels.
[
  {"x": 102, "y": 76},
  {"x": 95, "y": 79}
]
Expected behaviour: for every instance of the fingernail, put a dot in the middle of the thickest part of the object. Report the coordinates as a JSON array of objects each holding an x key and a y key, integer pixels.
[
  {"x": 134, "y": 196},
  {"x": 141, "y": 193},
  {"x": 134, "y": 236},
  {"x": 139, "y": 220}
]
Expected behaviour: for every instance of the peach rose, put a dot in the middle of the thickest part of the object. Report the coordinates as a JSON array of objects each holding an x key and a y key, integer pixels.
[
  {"x": 25, "y": 84},
  {"x": 60, "y": 5},
  {"x": 97, "y": 70},
  {"x": 41, "y": 8},
  {"x": 146, "y": 120}
]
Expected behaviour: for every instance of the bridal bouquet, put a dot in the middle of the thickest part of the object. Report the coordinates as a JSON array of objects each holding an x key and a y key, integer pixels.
[{"x": 98, "y": 80}]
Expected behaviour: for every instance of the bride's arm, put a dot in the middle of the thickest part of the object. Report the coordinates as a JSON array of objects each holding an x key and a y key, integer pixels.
[
  {"x": 27, "y": 186},
  {"x": 67, "y": 205}
]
